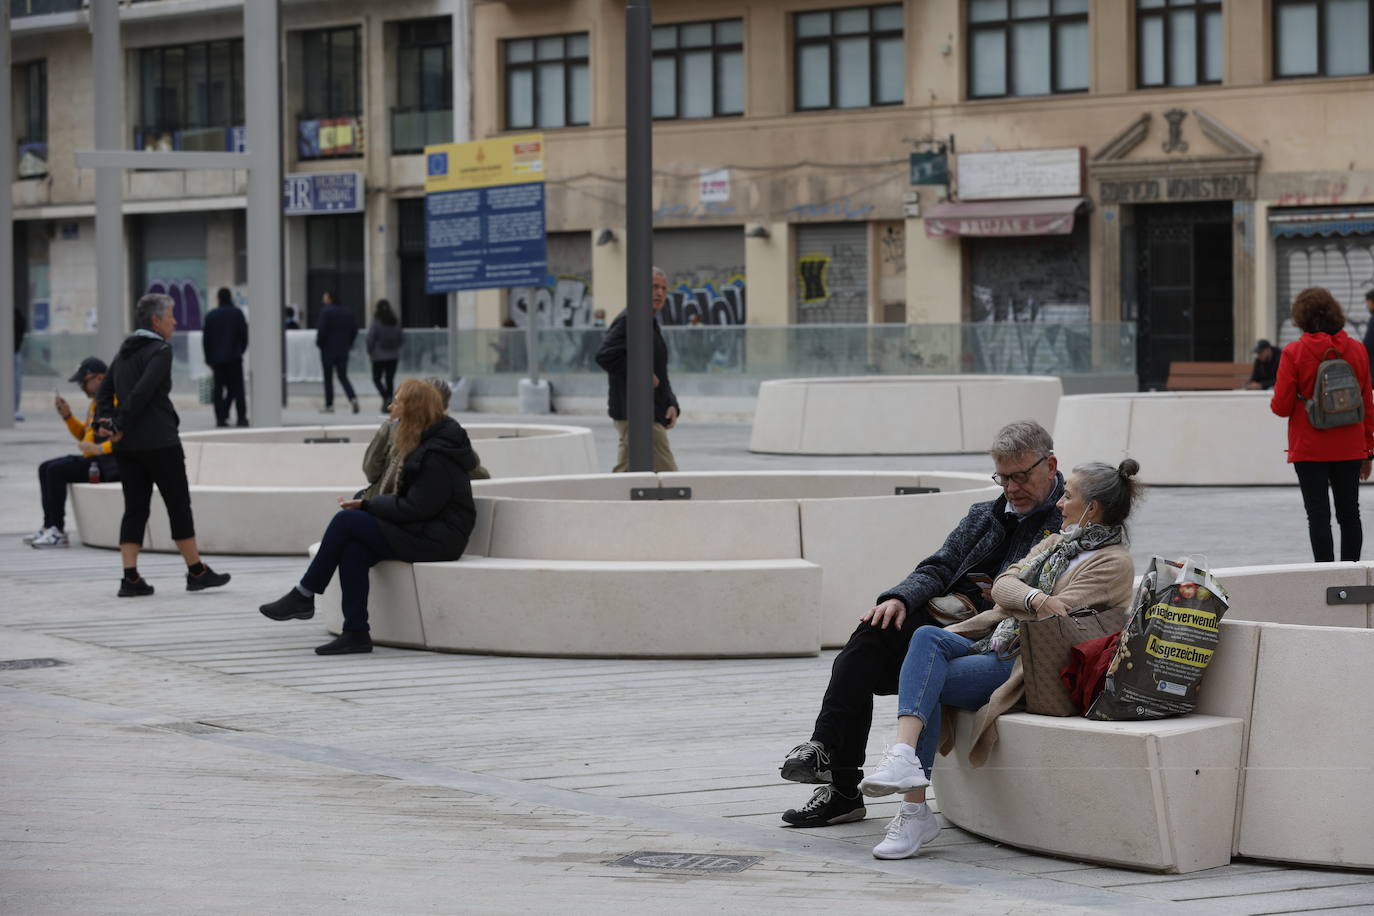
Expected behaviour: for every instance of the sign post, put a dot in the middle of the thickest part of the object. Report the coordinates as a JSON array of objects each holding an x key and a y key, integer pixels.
[{"x": 484, "y": 228}]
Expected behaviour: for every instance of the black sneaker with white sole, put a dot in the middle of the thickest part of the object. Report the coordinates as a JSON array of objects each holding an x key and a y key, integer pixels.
[
  {"x": 808, "y": 762},
  {"x": 828, "y": 806}
]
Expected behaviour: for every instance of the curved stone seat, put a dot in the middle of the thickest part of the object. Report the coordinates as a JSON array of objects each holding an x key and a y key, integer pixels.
[
  {"x": 1180, "y": 438},
  {"x": 1274, "y": 765},
  {"x": 754, "y": 563},
  {"x": 268, "y": 491},
  {"x": 897, "y": 415}
]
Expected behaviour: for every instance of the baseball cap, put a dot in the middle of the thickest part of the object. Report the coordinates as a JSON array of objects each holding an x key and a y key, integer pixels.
[
  {"x": 89, "y": 366},
  {"x": 1262, "y": 346}
]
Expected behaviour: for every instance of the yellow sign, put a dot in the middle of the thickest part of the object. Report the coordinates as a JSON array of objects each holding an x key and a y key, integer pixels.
[{"x": 484, "y": 163}]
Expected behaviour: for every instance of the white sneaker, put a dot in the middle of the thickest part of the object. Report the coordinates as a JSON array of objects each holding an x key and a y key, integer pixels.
[
  {"x": 50, "y": 537},
  {"x": 900, "y": 771},
  {"x": 911, "y": 827},
  {"x": 30, "y": 538}
]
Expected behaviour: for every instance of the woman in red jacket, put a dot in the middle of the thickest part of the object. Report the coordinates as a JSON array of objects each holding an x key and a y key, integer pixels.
[{"x": 1336, "y": 458}]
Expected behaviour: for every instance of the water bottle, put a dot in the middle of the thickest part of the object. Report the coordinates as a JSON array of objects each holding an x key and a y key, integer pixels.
[{"x": 93, "y": 474}]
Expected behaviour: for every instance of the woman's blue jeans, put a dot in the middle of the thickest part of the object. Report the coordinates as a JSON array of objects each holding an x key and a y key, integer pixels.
[
  {"x": 353, "y": 543},
  {"x": 939, "y": 671}
]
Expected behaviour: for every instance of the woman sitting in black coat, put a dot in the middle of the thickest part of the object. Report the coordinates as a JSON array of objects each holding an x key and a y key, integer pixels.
[{"x": 429, "y": 518}]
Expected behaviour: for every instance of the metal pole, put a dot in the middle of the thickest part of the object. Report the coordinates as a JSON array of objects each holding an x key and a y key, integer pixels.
[
  {"x": 8, "y": 358},
  {"x": 262, "y": 93},
  {"x": 639, "y": 239},
  {"x": 111, "y": 296}
]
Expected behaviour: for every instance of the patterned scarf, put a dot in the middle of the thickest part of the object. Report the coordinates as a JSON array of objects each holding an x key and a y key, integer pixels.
[{"x": 1042, "y": 570}]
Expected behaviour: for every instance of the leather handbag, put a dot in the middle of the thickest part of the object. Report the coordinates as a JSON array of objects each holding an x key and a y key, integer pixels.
[{"x": 1045, "y": 646}]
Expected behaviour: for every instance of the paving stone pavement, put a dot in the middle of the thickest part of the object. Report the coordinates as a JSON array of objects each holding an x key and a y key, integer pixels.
[{"x": 193, "y": 756}]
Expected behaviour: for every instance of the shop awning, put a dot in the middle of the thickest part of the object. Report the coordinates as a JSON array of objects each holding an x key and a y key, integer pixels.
[
  {"x": 1024, "y": 216},
  {"x": 1321, "y": 222}
]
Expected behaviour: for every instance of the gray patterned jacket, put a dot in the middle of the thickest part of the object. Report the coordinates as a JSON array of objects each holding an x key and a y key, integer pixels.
[{"x": 973, "y": 539}]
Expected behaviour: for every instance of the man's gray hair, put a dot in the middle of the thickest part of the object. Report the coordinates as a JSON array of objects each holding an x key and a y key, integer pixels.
[
  {"x": 657, "y": 271},
  {"x": 1021, "y": 438},
  {"x": 441, "y": 386},
  {"x": 149, "y": 307}
]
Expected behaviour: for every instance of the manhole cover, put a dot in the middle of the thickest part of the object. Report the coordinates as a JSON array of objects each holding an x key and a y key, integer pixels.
[
  {"x": 687, "y": 861},
  {"x": 18, "y": 664}
]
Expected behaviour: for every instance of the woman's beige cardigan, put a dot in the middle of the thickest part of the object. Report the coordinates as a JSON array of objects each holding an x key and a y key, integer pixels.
[{"x": 1104, "y": 577}]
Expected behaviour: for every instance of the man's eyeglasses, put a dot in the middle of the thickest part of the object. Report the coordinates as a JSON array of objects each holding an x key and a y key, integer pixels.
[{"x": 1018, "y": 477}]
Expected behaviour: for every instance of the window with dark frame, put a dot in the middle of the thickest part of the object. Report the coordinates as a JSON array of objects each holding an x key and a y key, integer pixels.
[
  {"x": 332, "y": 60},
  {"x": 1178, "y": 42},
  {"x": 1323, "y": 38},
  {"x": 30, "y": 87},
  {"x": 698, "y": 69},
  {"x": 424, "y": 85},
  {"x": 547, "y": 81},
  {"x": 190, "y": 96},
  {"x": 1027, "y": 47},
  {"x": 849, "y": 58}
]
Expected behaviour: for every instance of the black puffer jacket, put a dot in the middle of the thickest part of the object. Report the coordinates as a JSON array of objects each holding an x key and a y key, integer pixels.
[
  {"x": 432, "y": 515},
  {"x": 614, "y": 358},
  {"x": 140, "y": 377}
]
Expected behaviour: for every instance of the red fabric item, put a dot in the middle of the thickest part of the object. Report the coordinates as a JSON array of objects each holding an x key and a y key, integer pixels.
[
  {"x": 1297, "y": 376},
  {"x": 1086, "y": 671}
]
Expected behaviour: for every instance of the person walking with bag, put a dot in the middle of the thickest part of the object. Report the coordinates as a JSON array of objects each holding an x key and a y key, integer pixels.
[
  {"x": 1331, "y": 438},
  {"x": 134, "y": 408},
  {"x": 974, "y": 664},
  {"x": 384, "y": 338}
]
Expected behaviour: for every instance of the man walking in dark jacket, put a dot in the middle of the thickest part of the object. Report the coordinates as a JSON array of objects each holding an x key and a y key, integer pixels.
[
  {"x": 134, "y": 407},
  {"x": 334, "y": 337},
  {"x": 957, "y": 577},
  {"x": 224, "y": 340},
  {"x": 615, "y": 360}
]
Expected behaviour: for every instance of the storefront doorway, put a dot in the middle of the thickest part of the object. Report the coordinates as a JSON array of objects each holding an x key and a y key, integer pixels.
[
  {"x": 1184, "y": 276},
  {"x": 336, "y": 262}
]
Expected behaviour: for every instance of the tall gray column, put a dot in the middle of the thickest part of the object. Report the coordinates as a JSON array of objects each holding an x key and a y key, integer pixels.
[
  {"x": 639, "y": 237},
  {"x": 7, "y": 354},
  {"x": 262, "y": 93},
  {"x": 111, "y": 296}
]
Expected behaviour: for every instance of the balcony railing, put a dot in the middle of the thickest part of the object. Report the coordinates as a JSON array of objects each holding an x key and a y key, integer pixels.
[
  {"x": 412, "y": 130},
  {"x": 330, "y": 138}
]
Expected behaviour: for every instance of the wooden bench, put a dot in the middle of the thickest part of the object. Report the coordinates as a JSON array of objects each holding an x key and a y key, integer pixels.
[{"x": 1207, "y": 376}]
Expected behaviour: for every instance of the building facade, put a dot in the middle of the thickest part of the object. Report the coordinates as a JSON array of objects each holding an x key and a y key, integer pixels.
[
  {"x": 1182, "y": 167},
  {"x": 365, "y": 87}
]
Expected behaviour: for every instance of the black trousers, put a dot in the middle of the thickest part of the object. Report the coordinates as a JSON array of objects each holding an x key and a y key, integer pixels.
[
  {"x": 866, "y": 667},
  {"x": 53, "y": 477},
  {"x": 1342, "y": 478},
  {"x": 331, "y": 365},
  {"x": 352, "y": 544},
  {"x": 229, "y": 387},
  {"x": 384, "y": 377},
  {"x": 138, "y": 472}
]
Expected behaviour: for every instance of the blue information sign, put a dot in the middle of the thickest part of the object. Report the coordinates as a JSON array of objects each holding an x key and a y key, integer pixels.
[
  {"x": 322, "y": 192},
  {"x": 482, "y": 238}
]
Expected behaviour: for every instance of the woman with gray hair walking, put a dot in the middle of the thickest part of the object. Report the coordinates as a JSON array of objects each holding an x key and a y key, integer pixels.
[{"x": 974, "y": 664}]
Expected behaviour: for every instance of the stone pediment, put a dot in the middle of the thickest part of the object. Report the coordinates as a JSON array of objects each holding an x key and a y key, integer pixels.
[{"x": 1184, "y": 147}]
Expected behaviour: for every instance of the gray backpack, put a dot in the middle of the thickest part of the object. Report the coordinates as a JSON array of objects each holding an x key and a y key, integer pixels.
[{"x": 1336, "y": 396}]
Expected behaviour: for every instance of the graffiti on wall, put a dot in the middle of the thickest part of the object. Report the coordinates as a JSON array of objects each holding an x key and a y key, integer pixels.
[
  {"x": 1036, "y": 278},
  {"x": 832, "y": 284},
  {"x": 704, "y": 302},
  {"x": 1342, "y": 264},
  {"x": 566, "y": 304},
  {"x": 184, "y": 279}
]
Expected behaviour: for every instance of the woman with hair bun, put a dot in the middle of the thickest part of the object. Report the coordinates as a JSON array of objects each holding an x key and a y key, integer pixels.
[
  {"x": 1334, "y": 459},
  {"x": 974, "y": 664}
]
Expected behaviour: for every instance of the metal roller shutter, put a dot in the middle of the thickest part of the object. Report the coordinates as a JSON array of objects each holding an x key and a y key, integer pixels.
[
  {"x": 832, "y": 273},
  {"x": 1343, "y": 264}
]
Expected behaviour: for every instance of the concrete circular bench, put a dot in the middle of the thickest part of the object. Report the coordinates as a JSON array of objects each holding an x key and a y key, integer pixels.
[
  {"x": 752, "y": 564},
  {"x": 897, "y": 415},
  {"x": 1276, "y": 764},
  {"x": 1180, "y": 438},
  {"x": 273, "y": 490}
]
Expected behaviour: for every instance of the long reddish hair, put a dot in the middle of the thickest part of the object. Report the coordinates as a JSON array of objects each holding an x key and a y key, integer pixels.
[{"x": 417, "y": 409}]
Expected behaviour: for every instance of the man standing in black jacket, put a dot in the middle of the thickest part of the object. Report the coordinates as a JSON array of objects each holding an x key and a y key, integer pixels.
[
  {"x": 334, "y": 337},
  {"x": 613, "y": 358},
  {"x": 134, "y": 407},
  {"x": 224, "y": 340}
]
